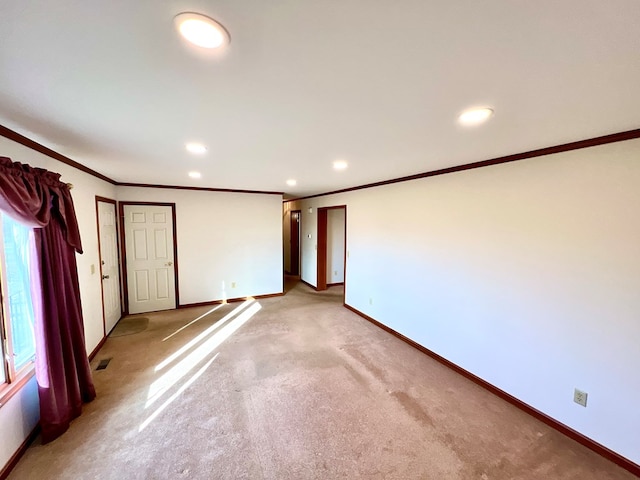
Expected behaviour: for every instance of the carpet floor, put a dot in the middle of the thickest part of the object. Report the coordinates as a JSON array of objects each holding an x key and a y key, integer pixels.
[{"x": 295, "y": 387}]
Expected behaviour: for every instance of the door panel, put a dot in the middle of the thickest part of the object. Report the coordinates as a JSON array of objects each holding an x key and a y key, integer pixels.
[
  {"x": 141, "y": 285},
  {"x": 162, "y": 282},
  {"x": 109, "y": 268},
  {"x": 160, "y": 237},
  {"x": 149, "y": 252},
  {"x": 140, "y": 244}
]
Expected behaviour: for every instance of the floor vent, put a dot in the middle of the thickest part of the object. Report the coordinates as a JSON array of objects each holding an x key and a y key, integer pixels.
[{"x": 103, "y": 364}]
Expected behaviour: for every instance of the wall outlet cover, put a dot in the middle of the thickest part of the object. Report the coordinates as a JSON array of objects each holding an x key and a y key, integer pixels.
[{"x": 580, "y": 397}]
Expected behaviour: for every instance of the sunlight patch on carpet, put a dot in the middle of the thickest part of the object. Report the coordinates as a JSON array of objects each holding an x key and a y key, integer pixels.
[
  {"x": 203, "y": 335},
  {"x": 197, "y": 355},
  {"x": 193, "y": 321},
  {"x": 176, "y": 395}
]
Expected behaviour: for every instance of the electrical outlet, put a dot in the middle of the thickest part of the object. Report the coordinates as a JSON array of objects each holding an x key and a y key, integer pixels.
[
  {"x": 371, "y": 301},
  {"x": 580, "y": 397},
  {"x": 233, "y": 284},
  {"x": 335, "y": 272}
]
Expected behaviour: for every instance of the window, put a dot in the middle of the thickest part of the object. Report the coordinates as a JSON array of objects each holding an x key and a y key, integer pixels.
[{"x": 17, "y": 316}]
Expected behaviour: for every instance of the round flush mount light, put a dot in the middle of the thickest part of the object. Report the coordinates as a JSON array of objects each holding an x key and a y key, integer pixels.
[
  {"x": 201, "y": 30},
  {"x": 475, "y": 116},
  {"x": 195, "y": 174},
  {"x": 340, "y": 165},
  {"x": 291, "y": 182},
  {"x": 196, "y": 148}
]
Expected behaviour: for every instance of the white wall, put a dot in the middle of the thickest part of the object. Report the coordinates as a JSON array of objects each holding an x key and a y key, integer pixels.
[
  {"x": 222, "y": 238},
  {"x": 526, "y": 274},
  {"x": 335, "y": 245},
  {"x": 21, "y": 413},
  {"x": 18, "y": 417}
]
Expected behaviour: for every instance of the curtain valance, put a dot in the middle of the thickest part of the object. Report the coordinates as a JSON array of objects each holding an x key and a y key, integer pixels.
[{"x": 34, "y": 195}]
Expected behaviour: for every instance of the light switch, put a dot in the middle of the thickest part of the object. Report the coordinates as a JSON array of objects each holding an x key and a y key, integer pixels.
[{"x": 93, "y": 269}]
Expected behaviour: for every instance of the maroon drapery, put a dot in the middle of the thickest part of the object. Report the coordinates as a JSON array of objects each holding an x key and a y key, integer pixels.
[{"x": 39, "y": 198}]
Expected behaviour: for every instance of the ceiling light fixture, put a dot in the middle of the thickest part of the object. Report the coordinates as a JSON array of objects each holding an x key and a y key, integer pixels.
[
  {"x": 201, "y": 30},
  {"x": 196, "y": 148},
  {"x": 340, "y": 165},
  {"x": 475, "y": 116},
  {"x": 291, "y": 182},
  {"x": 195, "y": 174}
]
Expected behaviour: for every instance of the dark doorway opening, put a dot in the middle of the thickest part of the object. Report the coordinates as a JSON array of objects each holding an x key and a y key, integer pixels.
[
  {"x": 294, "y": 268},
  {"x": 323, "y": 245}
]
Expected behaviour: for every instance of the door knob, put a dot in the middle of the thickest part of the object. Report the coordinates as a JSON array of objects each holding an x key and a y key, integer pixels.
[
  {"x": 104, "y": 277},
  {"x": 168, "y": 264}
]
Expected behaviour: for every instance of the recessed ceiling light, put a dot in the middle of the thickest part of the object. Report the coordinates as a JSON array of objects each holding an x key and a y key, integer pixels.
[
  {"x": 201, "y": 30},
  {"x": 195, "y": 174},
  {"x": 340, "y": 165},
  {"x": 291, "y": 182},
  {"x": 196, "y": 148},
  {"x": 475, "y": 116}
]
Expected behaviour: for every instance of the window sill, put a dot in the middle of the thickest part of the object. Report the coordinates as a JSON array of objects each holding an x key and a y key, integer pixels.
[{"x": 8, "y": 390}]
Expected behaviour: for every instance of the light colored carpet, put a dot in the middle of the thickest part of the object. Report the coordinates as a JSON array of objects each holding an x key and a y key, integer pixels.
[{"x": 304, "y": 389}]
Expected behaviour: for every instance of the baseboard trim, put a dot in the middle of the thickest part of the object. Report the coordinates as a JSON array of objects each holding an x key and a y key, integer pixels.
[
  {"x": 268, "y": 295},
  {"x": 309, "y": 285},
  {"x": 334, "y": 284},
  {"x": 202, "y": 304},
  {"x": 98, "y": 347},
  {"x": 553, "y": 423},
  {"x": 229, "y": 300},
  {"x": 15, "y": 458}
]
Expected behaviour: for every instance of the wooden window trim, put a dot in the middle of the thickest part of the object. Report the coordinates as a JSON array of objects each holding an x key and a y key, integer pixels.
[{"x": 9, "y": 389}]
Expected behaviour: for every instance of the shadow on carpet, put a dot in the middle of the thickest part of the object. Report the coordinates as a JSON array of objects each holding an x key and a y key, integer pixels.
[{"x": 130, "y": 326}]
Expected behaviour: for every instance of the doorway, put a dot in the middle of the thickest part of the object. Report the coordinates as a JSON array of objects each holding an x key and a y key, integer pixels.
[
  {"x": 294, "y": 240},
  {"x": 149, "y": 252},
  {"x": 109, "y": 262},
  {"x": 332, "y": 246}
]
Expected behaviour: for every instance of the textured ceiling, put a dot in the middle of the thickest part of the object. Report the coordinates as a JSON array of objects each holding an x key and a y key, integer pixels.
[{"x": 377, "y": 83}]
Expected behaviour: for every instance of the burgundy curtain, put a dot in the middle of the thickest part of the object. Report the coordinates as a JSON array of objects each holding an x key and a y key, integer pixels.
[{"x": 38, "y": 197}]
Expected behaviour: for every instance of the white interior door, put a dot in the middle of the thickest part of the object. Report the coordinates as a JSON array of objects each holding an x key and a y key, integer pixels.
[
  {"x": 150, "y": 264},
  {"x": 108, "y": 238}
]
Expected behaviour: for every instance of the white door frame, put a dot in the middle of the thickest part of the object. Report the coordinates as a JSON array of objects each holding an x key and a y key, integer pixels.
[
  {"x": 100, "y": 259},
  {"x": 125, "y": 288}
]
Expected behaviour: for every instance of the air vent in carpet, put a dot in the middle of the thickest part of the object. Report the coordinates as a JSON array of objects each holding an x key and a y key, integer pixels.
[{"x": 103, "y": 364}]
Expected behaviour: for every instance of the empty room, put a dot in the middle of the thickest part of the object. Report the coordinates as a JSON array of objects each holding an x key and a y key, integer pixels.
[{"x": 317, "y": 240}]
